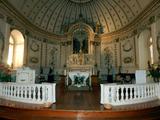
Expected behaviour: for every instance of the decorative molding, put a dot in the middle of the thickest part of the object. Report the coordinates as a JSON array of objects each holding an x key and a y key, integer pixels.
[
  {"x": 128, "y": 60},
  {"x": 34, "y": 46},
  {"x": 127, "y": 46},
  {"x": 34, "y": 60},
  {"x": 158, "y": 45},
  {"x": 133, "y": 25},
  {"x": 8, "y": 8}
]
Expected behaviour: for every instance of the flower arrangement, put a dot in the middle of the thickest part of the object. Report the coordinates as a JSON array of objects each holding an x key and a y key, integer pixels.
[
  {"x": 5, "y": 73},
  {"x": 154, "y": 71}
]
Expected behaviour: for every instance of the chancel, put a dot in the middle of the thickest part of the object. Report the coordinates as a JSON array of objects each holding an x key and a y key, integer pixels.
[{"x": 79, "y": 59}]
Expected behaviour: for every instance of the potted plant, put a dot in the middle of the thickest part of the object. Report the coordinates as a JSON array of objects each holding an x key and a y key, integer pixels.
[{"x": 154, "y": 71}]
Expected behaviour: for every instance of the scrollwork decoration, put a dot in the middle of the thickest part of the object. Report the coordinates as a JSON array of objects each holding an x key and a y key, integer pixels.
[
  {"x": 127, "y": 60},
  {"x": 34, "y": 47},
  {"x": 34, "y": 59},
  {"x": 127, "y": 46}
]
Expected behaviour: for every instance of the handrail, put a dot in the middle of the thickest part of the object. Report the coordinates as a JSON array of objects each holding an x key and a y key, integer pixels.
[
  {"x": 129, "y": 94},
  {"x": 28, "y": 93}
]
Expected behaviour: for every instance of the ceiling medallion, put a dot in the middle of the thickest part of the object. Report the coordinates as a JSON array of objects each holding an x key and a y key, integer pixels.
[{"x": 80, "y": 1}]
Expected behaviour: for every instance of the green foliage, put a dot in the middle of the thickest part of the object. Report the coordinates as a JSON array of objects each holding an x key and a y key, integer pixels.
[
  {"x": 4, "y": 74},
  {"x": 154, "y": 72}
]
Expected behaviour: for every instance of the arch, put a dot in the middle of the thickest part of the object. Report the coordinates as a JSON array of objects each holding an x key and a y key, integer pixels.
[
  {"x": 16, "y": 49},
  {"x": 84, "y": 28}
]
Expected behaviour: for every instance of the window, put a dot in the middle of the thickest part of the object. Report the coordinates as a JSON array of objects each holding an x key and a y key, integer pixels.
[
  {"x": 151, "y": 49},
  {"x": 10, "y": 51},
  {"x": 16, "y": 49}
]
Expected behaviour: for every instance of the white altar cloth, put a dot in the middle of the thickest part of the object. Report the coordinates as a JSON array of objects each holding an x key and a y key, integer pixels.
[{"x": 73, "y": 75}]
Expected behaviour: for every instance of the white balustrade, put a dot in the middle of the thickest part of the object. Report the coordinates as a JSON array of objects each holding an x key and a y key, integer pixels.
[
  {"x": 29, "y": 93},
  {"x": 129, "y": 94}
]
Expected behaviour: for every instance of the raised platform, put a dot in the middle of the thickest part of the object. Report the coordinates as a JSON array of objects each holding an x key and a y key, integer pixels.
[
  {"x": 77, "y": 88},
  {"x": 78, "y": 105}
]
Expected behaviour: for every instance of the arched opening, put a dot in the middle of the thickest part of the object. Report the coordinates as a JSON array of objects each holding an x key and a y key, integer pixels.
[
  {"x": 80, "y": 42},
  {"x": 16, "y": 49}
]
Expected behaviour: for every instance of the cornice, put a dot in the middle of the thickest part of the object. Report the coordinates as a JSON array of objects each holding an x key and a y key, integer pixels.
[
  {"x": 9, "y": 9},
  {"x": 136, "y": 22}
]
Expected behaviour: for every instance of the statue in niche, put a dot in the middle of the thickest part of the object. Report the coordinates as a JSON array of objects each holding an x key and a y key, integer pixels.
[
  {"x": 80, "y": 42},
  {"x": 1, "y": 46},
  {"x": 108, "y": 59},
  {"x": 53, "y": 56},
  {"x": 158, "y": 46}
]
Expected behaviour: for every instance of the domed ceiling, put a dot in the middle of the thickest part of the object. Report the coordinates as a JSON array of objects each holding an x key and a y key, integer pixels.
[{"x": 55, "y": 16}]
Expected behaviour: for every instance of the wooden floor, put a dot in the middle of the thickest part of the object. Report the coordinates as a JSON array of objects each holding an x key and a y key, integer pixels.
[{"x": 78, "y": 105}]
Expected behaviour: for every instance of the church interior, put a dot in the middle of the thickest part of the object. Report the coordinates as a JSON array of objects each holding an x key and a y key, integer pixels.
[{"x": 79, "y": 59}]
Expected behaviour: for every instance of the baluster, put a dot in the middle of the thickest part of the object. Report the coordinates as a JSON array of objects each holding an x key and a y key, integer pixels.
[
  {"x": 34, "y": 93},
  {"x": 4, "y": 90},
  {"x": 152, "y": 90},
  {"x": 122, "y": 94},
  {"x": 144, "y": 94},
  {"x": 147, "y": 91},
  {"x": 117, "y": 94},
  {"x": 38, "y": 90},
  {"x": 139, "y": 95},
  {"x": 113, "y": 93},
  {"x": 21, "y": 91},
  {"x": 18, "y": 89},
  {"x": 14, "y": 90},
  {"x": 135, "y": 92},
  {"x": 7, "y": 91},
  {"x": 127, "y": 94},
  {"x": 25, "y": 91},
  {"x": 131, "y": 94},
  {"x": 30, "y": 89},
  {"x": 43, "y": 93},
  {"x": 140, "y": 91},
  {"x": 11, "y": 90}
]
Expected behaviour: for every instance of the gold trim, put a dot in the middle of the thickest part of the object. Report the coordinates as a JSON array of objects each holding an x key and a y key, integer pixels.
[{"x": 28, "y": 25}]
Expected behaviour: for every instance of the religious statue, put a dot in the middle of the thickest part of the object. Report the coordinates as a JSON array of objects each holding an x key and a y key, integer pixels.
[
  {"x": 1, "y": 46},
  {"x": 80, "y": 42}
]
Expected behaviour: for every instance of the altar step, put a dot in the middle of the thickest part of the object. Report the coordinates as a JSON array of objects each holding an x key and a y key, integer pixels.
[{"x": 78, "y": 88}]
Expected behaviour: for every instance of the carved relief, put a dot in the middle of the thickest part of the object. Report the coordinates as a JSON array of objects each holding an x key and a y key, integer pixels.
[
  {"x": 108, "y": 59},
  {"x": 127, "y": 46},
  {"x": 34, "y": 46},
  {"x": 53, "y": 56},
  {"x": 128, "y": 60},
  {"x": 34, "y": 60}
]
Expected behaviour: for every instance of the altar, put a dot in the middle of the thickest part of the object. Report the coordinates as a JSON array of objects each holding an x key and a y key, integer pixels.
[{"x": 80, "y": 68}]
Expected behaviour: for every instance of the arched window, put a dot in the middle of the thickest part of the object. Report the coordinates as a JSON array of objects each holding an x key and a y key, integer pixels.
[
  {"x": 16, "y": 49},
  {"x": 151, "y": 50}
]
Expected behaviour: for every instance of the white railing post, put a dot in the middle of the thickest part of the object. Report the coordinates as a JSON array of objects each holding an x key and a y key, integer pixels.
[
  {"x": 29, "y": 93},
  {"x": 129, "y": 94},
  {"x": 102, "y": 94},
  {"x": 0, "y": 89},
  {"x": 158, "y": 89}
]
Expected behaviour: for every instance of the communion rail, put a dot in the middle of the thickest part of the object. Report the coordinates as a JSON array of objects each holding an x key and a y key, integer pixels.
[
  {"x": 28, "y": 93},
  {"x": 129, "y": 94}
]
